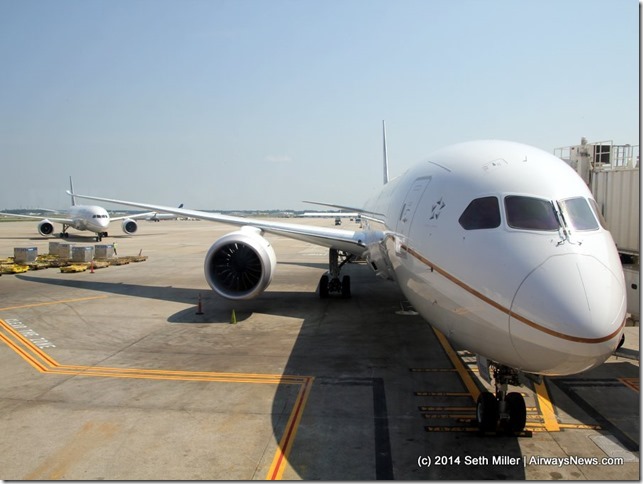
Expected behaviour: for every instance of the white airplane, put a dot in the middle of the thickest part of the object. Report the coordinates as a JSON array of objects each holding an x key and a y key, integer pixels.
[
  {"x": 157, "y": 217},
  {"x": 499, "y": 245},
  {"x": 82, "y": 217}
]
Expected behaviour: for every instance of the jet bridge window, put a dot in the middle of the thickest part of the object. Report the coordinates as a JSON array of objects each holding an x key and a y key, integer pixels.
[
  {"x": 482, "y": 213},
  {"x": 529, "y": 213},
  {"x": 578, "y": 214}
]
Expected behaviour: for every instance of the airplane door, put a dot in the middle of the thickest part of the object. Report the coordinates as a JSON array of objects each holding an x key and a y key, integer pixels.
[{"x": 410, "y": 204}]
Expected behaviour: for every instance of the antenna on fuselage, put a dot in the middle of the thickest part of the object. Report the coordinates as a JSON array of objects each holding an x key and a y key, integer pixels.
[
  {"x": 71, "y": 192},
  {"x": 385, "y": 153}
]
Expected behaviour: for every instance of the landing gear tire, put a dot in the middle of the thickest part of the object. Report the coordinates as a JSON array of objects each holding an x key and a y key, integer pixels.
[
  {"x": 346, "y": 287},
  {"x": 323, "y": 287},
  {"x": 487, "y": 412},
  {"x": 331, "y": 283},
  {"x": 516, "y": 411}
]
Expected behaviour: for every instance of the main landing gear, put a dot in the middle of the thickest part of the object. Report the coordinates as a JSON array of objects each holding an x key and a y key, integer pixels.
[
  {"x": 330, "y": 284},
  {"x": 505, "y": 411},
  {"x": 64, "y": 234}
]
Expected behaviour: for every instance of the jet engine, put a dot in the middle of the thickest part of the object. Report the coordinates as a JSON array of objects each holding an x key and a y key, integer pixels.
[
  {"x": 240, "y": 264},
  {"x": 129, "y": 226},
  {"x": 45, "y": 227}
]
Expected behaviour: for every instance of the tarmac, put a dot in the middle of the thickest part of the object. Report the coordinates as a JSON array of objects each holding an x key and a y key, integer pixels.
[{"x": 114, "y": 375}]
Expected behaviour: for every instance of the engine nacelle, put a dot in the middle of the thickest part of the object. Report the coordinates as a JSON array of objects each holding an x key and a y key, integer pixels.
[
  {"x": 240, "y": 264},
  {"x": 45, "y": 227},
  {"x": 129, "y": 226}
]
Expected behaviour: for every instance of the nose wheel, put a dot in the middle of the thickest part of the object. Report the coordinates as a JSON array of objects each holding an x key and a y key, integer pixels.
[
  {"x": 504, "y": 411},
  {"x": 330, "y": 283}
]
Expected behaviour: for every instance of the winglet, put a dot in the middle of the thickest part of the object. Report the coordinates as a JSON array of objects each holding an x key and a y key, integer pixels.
[
  {"x": 71, "y": 192},
  {"x": 385, "y": 153}
]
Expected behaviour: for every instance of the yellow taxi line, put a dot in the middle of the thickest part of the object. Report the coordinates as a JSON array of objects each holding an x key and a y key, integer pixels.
[
  {"x": 44, "y": 363},
  {"x": 546, "y": 407},
  {"x": 279, "y": 461},
  {"x": 544, "y": 403},
  {"x": 64, "y": 301},
  {"x": 472, "y": 388}
]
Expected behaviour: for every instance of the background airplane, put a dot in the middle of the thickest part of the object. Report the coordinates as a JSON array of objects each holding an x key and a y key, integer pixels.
[
  {"x": 90, "y": 218},
  {"x": 157, "y": 217},
  {"x": 499, "y": 245}
]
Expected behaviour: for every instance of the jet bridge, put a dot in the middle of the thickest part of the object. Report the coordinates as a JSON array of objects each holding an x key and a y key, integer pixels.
[{"x": 612, "y": 174}]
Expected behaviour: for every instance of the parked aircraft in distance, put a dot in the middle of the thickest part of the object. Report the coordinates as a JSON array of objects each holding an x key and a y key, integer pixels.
[
  {"x": 497, "y": 244},
  {"x": 330, "y": 214},
  {"x": 157, "y": 217},
  {"x": 82, "y": 217}
]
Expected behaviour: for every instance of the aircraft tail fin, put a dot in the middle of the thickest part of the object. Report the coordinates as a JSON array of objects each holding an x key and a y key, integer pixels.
[
  {"x": 71, "y": 192},
  {"x": 385, "y": 153}
]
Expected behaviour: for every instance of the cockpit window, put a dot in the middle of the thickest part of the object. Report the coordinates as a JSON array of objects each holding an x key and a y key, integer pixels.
[
  {"x": 578, "y": 214},
  {"x": 482, "y": 213},
  {"x": 597, "y": 212},
  {"x": 529, "y": 213}
]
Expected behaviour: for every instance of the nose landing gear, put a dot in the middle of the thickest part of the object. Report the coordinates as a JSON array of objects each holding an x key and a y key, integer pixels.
[{"x": 502, "y": 411}]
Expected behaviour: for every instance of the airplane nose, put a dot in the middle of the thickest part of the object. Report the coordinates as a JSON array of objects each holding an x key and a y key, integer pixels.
[{"x": 570, "y": 308}]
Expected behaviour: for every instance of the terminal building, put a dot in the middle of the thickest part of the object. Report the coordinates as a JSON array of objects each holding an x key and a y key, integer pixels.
[{"x": 612, "y": 174}]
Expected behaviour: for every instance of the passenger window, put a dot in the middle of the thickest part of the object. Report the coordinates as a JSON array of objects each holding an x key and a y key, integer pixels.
[
  {"x": 482, "y": 213},
  {"x": 578, "y": 214},
  {"x": 529, "y": 213}
]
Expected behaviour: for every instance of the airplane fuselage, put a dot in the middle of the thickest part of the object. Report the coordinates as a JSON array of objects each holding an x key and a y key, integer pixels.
[
  {"x": 500, "y": 246},
  {"x": 89, "y": 217}
]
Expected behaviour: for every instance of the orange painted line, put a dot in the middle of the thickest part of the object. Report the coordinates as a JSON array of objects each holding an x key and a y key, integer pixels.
[
  {"x": 152, "y": 373},
  {"x": 25, "y": 356},
  {"x": 42, "y": 362},
  {"x": 279, "y": 462},
  {"x": 53, "y": 302},
  {"x": 16, "y": 334},
  {"x": 633, "y": 383}
]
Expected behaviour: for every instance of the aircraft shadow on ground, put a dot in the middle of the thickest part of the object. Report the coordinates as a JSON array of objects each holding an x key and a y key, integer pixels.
[
  {"x": 584, "y": 398},
  {"x": 361, "y": 420},
  {"x": 215, "y": 309}
]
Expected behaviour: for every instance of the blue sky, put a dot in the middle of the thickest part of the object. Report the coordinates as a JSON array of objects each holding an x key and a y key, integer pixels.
[{"x": 259, "y": 104}]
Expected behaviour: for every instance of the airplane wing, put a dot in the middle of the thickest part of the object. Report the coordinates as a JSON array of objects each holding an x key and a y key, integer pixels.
[
  {"x": 346, "y": 240},
  {"x": 366, "y": 214},
  {"x": 133, "y": 216},
  {"x": 330, "y": 214},
  {"x": 60, "y": 220}
]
